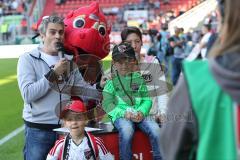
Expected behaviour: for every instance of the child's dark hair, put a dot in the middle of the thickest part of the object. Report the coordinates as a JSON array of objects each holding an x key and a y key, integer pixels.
[{"x": 129, "y": 30}]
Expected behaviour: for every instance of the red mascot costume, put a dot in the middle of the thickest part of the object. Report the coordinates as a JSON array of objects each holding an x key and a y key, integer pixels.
[{"x": 87, "y": 37}]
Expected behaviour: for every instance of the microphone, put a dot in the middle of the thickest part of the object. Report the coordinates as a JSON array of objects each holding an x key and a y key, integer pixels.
[{"x": 60, "y": 48}]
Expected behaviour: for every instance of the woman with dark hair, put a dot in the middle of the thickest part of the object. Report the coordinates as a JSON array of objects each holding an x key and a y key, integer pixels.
[
  {"x": 151, "y": 70},
  {"x": 205, "y": 103}
]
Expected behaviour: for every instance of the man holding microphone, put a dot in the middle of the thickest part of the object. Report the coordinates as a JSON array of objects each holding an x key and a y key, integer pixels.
[{"x": 45, "y": 81}]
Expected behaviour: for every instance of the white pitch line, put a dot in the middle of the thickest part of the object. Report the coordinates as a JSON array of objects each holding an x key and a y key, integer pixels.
[{"x": 11, "y": 135}]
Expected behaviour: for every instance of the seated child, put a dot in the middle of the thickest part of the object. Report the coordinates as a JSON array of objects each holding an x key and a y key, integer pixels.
[
  {"x": 78, "y": 144},
  {"x": 126, "y": 101}
]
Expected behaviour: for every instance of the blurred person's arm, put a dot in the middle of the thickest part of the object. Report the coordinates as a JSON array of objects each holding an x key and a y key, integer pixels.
[
  {"x": 204, "y": 41},
  {"x": 163, "y": 88},
  {"x": 202, "y": 45},
  {"x": 179, "y": 43},
  {"x": 179, "y": 135}
]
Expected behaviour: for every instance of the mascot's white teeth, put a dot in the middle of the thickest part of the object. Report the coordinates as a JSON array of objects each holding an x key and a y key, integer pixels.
[{"x": 94, "y": 17}]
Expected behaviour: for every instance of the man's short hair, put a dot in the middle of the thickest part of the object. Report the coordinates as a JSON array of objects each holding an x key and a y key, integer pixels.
[
  {"x": 49, "y": 19},
  {"x": 129, "y": 30}
]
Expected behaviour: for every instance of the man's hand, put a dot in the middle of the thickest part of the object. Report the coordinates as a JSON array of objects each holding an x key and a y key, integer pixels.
[{"x": 61, "y": 67}]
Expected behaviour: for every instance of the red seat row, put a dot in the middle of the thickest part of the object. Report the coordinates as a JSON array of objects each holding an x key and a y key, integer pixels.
[{"x": 174, "y": 5}]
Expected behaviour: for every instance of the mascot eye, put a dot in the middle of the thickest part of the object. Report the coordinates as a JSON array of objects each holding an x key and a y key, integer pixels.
[
  {"x": 102, "y": 30},
  {"x": 79, "y": 23}
]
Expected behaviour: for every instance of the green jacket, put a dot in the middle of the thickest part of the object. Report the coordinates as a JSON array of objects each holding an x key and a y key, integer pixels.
[
  {"x": 214, "y": 112},
  {"x": 204, "y": 112},
  {"x": 116, "y": 96}
]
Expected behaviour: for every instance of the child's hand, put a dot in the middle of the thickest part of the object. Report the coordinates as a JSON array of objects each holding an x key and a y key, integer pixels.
[
  {"x": 140, "y": 116},
  {"x": 137, "y": 118},
  {"x": 128, "y": 115}
]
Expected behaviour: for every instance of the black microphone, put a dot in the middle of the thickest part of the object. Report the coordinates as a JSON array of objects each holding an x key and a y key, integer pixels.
[{"x": 60, "y": 48}]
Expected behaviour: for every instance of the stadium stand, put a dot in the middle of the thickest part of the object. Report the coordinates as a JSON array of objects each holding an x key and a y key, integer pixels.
[
  {"x": 13, "y": 20},
  {"x": 15, "y": 13},
  {"x": 114, "y": 9}
]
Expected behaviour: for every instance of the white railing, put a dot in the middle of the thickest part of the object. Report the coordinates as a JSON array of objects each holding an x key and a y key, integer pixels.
[{"x": 191, "y": 18}]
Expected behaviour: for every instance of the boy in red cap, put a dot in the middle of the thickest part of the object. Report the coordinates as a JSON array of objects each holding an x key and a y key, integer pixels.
[{"x": 78, "y": 144}]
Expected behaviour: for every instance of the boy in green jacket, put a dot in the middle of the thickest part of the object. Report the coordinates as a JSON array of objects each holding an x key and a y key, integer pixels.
[{"x": 126, "y": 100}]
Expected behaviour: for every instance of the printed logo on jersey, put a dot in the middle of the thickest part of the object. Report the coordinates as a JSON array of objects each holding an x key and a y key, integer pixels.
[
  {"x": 88, "y": 154},
  {"x": 147, "y": 77}
]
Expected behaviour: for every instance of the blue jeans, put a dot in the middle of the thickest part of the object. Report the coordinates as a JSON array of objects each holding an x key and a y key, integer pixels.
[
  {"x": 176, "y": 69},
  {"x": 167, "y": 67},
  {"x": 38, "y": 143},
  {"x": 160, "y": 56},
  {"x": 126, "y": 130}
]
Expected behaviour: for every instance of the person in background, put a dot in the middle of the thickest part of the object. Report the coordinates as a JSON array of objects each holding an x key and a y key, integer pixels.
[
  {"x": 160, "y": 48},
  {"x": 24, "y": 26},
  {"x": 126, "y": 101},
  {"x": 178, "y": 44},
  {"x": 211, "y": 42},
  {"x": 164, "y": 46},
  {"x": 4, "y": 31},
  {"x": 206, "y": 30},
  {"x": 45, "y": 79},
  {"x": 207, "y": 100}
]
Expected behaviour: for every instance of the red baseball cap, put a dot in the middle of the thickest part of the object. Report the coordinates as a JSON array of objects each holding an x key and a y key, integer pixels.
[{"x": 75, "y": 105}]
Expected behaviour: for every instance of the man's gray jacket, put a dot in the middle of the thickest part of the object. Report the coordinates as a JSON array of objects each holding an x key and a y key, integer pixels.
[{"x": 42, "y": 97}]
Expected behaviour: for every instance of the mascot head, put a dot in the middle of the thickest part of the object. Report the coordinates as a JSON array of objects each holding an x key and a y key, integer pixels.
[{"x": 87, "y": 32}]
